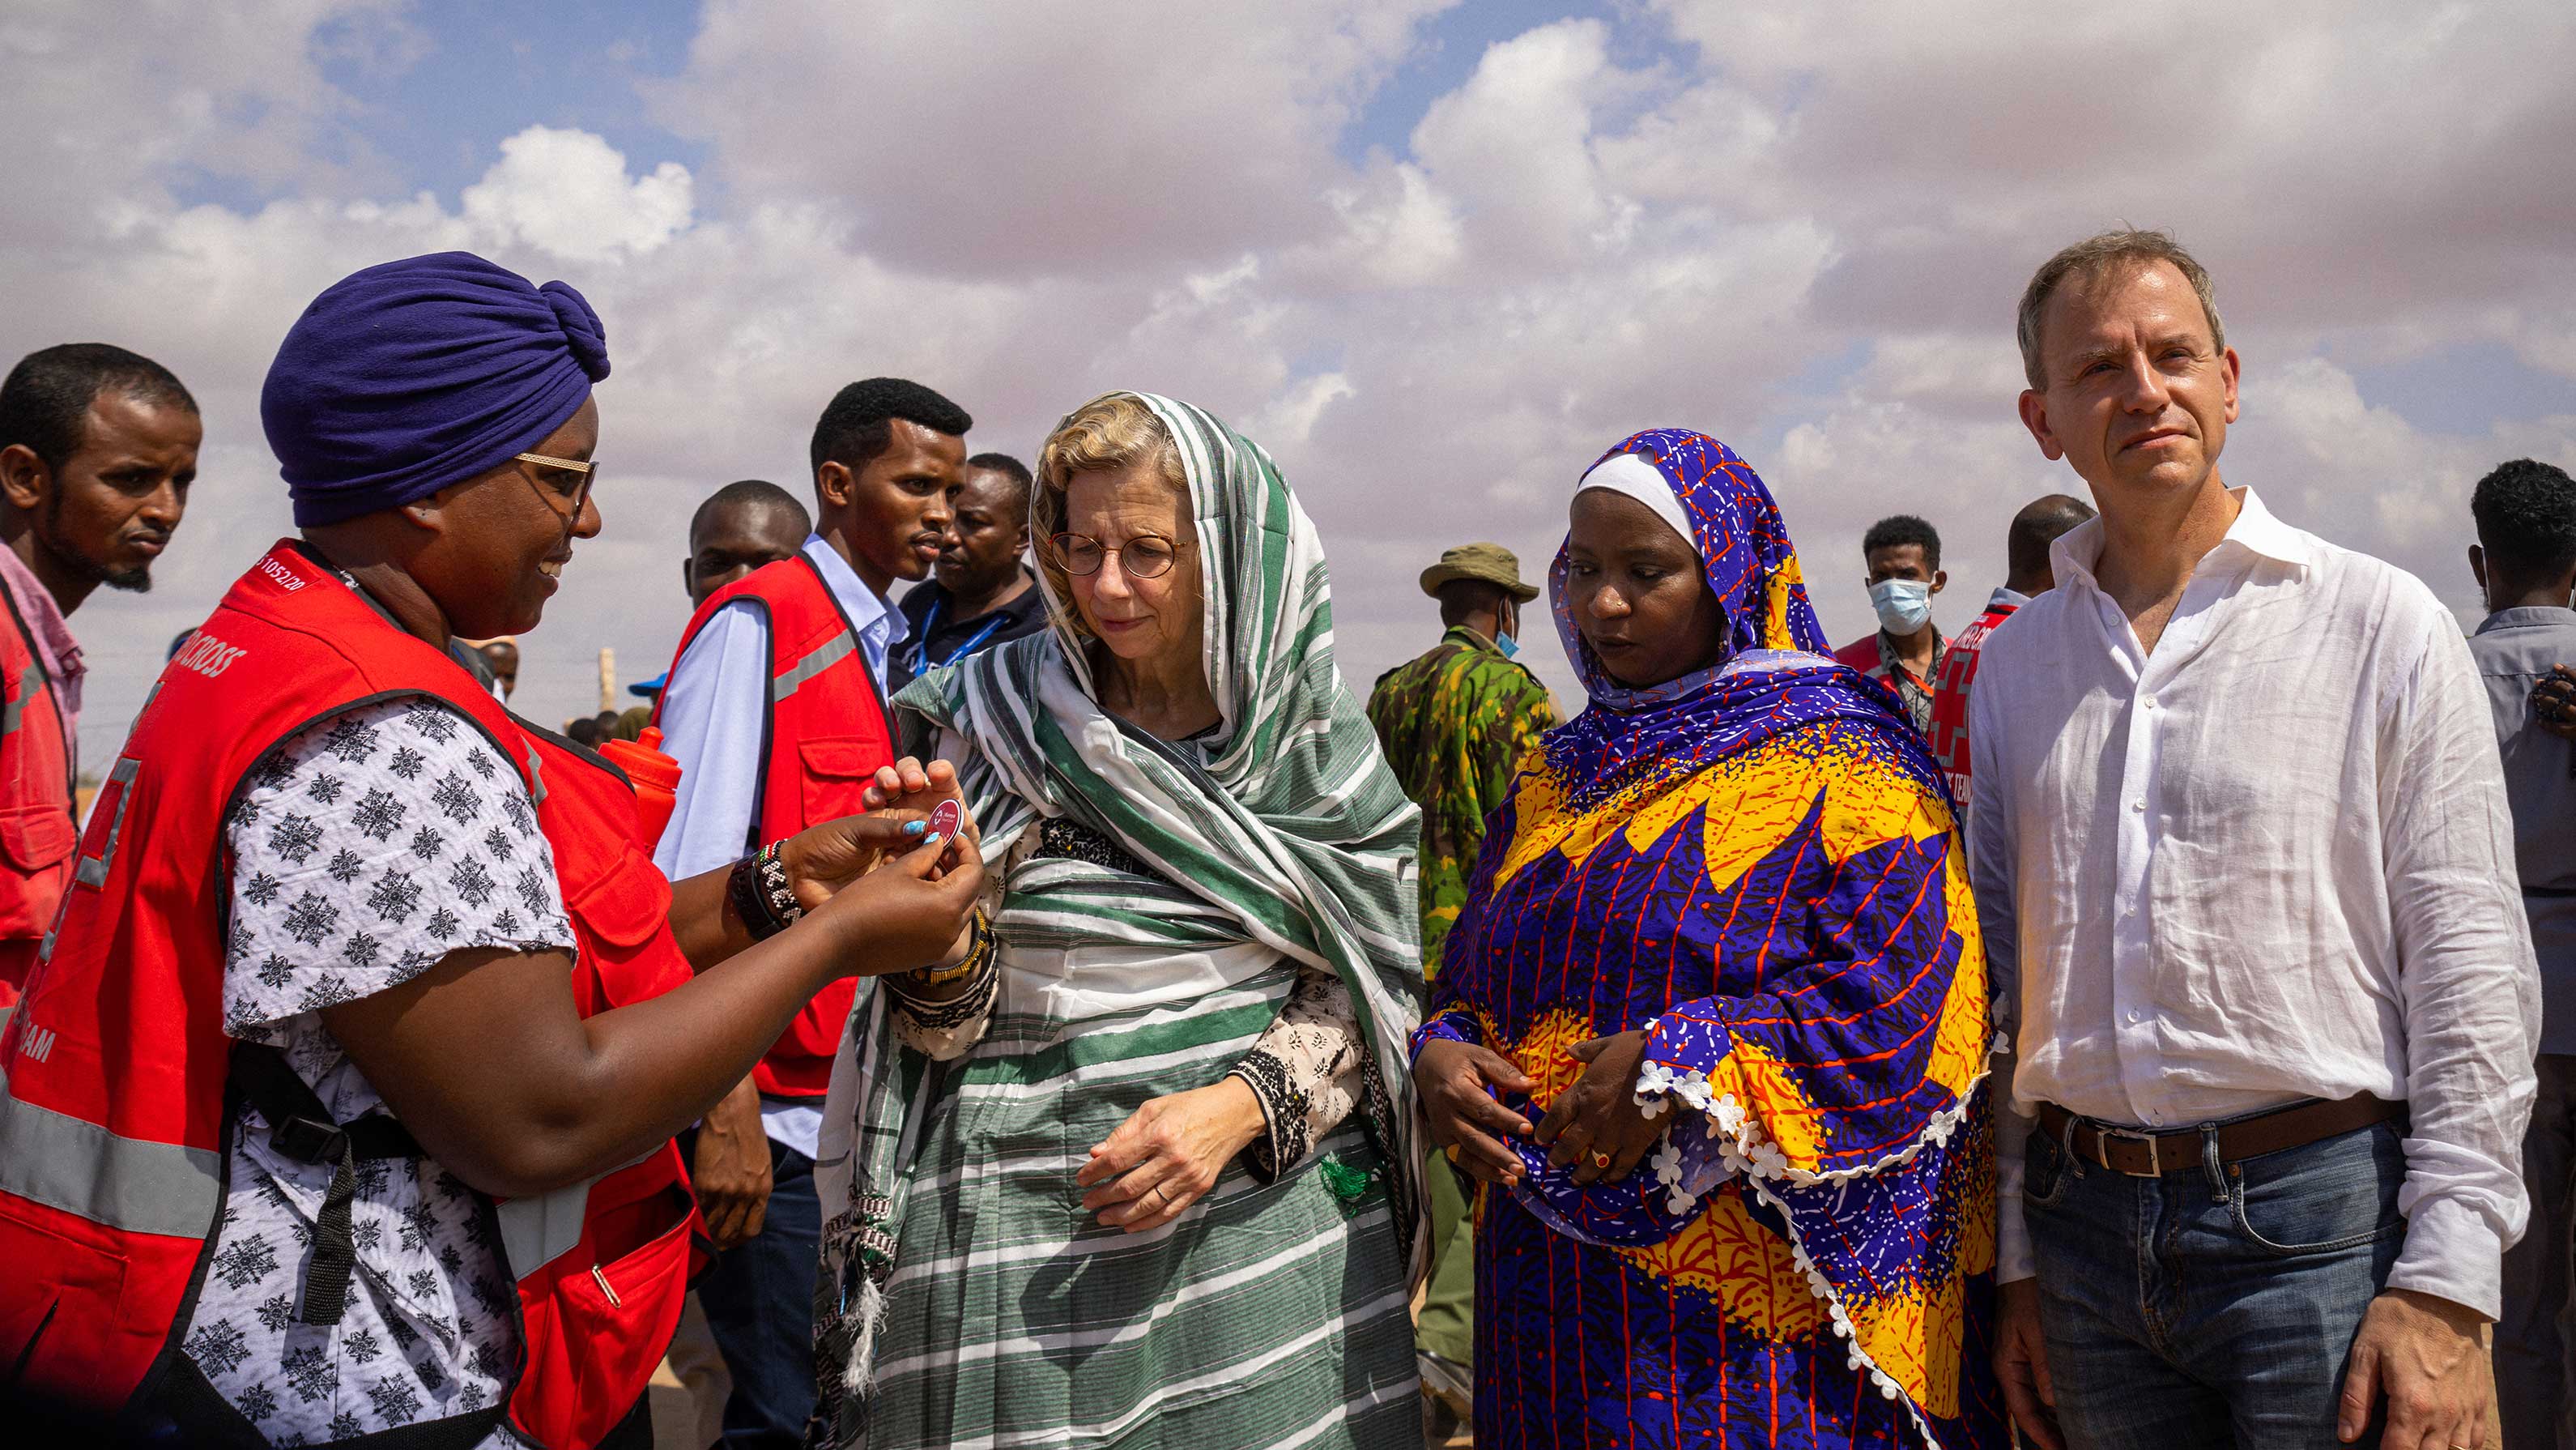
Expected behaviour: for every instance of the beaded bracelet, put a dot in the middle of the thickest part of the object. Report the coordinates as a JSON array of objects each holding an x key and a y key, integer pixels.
[
  {"x": 761, "y": 893},
  {"x": 979, "y": 951}
]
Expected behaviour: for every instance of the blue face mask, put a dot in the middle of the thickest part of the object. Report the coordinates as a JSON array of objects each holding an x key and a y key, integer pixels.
[
  {"x": 1508, "y": 645},
  {"x": 1902, "y": 604}
]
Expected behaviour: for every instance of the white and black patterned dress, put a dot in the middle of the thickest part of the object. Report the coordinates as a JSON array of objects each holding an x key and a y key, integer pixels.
[{"x": 370, "y": 846}]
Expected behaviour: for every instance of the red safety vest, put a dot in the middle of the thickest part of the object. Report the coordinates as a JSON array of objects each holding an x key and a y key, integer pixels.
[
  {"x": 1958, "y": 675},
  {"x": 36, "y": 828},
  {"x": 117, "y": 1106},
  {"x": 826, "y": 737}
]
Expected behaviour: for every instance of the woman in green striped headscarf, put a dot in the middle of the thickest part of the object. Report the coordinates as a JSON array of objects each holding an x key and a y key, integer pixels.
[{"x": 1140, "y": 1173}]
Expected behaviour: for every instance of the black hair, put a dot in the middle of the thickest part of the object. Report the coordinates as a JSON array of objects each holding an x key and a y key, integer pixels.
[
  {"x": 2526, "y": 513},
  {"x": 1462, "y": 597},
  {"x": 45, "y": 403},
  {"x": 752, "y": 493},
  {"x": 857, "y": 425},
  {"x": 2035, "y": 528},
  {"x": 1011, "y": 468},
  {"x": 1903, "y": 529}
]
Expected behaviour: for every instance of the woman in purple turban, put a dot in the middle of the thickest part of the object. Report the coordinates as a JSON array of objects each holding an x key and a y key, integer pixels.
[{"x": 431, "y": 967}]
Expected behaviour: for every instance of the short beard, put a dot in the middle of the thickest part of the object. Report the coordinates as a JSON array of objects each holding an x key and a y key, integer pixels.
[{"x": 137, "y": 580}]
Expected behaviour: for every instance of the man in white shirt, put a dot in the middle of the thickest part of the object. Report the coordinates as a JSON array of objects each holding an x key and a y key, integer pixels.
[
  {"x": 2246, "y": 873},
  {"x": 775, "y": 711}
]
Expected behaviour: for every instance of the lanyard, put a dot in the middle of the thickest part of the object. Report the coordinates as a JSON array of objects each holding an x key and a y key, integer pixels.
[{"x": 930, "y": 626}]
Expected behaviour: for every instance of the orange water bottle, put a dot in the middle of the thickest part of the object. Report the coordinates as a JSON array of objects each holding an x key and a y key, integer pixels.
[{"x": 657, "y": 782}]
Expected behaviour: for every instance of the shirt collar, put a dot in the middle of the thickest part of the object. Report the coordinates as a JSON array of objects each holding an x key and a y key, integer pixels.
[
  {"x": 1472, "y": 639},
  {"x": 2256, "y": 533},
  {"x": 53, "y": 635},
  {"x": 2006, "y": 599},
  {"x": 866, "y": 611},
  {"x": 2530, "y": 616}
]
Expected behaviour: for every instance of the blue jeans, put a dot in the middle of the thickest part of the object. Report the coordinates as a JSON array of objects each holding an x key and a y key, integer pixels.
[
  {"x": 759, "y": 1298},
  {"x": 2213, "y": 1305}
]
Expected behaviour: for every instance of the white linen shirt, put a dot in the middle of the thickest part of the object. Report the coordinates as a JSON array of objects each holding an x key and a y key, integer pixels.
[
  {"x": 2270, "y": 861},
  {"x": 715, "y": 715}
]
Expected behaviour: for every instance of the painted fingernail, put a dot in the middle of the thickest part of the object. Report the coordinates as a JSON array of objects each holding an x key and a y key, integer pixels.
[{"x": 915, "y": 828}]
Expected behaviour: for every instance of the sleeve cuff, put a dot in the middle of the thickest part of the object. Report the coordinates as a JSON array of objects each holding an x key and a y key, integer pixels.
[
  {"x": 1283, "y": 1115},
  {"x": 2452, "y": 1252},
  {"x": 2013, "y": 1258},
  {"x": 1447, "y": 1026}
]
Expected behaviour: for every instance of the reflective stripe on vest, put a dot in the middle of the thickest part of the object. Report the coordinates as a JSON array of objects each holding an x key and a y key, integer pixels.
[
  {"x": 125, "y": 1183},
  {"x": 11, "y": 713},
  {"x": 816, "y": 661},
  {"x": 92, "y": 870}
]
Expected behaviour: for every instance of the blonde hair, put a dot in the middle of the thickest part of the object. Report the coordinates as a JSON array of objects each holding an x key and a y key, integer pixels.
[{"x": 1109, "y": 434}]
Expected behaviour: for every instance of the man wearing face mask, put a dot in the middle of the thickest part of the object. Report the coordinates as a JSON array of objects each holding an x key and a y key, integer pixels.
[
  {"x": 1466, "y": 700},
  {"x": 1904, "y": 558}
]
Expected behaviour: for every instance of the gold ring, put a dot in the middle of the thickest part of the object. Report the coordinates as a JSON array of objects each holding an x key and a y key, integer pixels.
[{"x": 1600, "y": 1159}]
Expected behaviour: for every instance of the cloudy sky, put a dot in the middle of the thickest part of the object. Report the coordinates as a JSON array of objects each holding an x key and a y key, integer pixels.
[{"x": 1435, "y": 256}]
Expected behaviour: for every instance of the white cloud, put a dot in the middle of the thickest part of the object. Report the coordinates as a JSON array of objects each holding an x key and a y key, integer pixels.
[
  {"x": 566, "y": 194},
  {"x": 1800, "y": 228}
]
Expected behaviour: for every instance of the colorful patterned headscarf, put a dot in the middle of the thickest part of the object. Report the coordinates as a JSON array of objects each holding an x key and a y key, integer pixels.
[{"x": 1683, "y": 725}]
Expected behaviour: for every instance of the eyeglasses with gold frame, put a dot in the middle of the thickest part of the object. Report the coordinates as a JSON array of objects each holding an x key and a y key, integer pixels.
[{"x": 584, "y": 469}]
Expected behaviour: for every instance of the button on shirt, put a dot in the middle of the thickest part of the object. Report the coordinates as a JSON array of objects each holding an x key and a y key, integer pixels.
[
  {"x": 715, "y": 716},
  {"x": 2270, "y": 861},
  {"x": 2514, "y": 648}
]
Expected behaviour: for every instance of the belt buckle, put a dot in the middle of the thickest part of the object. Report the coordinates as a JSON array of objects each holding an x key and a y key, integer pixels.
[{"x": 2155, "y": 1151}]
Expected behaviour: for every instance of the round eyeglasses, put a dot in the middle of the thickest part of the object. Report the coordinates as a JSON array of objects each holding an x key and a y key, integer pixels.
[{"x": 1146, "y": 556}]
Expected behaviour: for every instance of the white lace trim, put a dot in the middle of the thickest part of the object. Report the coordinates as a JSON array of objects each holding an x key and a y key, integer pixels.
[{"x": 1760, "y": 1161}]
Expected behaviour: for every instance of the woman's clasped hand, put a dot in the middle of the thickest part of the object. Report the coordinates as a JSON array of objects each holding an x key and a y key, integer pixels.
[
  {"x": 1594, "y": 1129},
  {"x": 1456, "y": 1080}
]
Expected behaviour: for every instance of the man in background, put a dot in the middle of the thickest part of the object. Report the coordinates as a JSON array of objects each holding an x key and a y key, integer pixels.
[
  {"x": 2027, "y": 575},
  {"x": 2525, "y": 564},
  {"x": 501, "y": 659},
  {"x": 1903, "y": 557},
  {"x": 775, "y": 710},
  {"x": 981, "y": 592},
  {"x": 1465, "y": 703},
  {"x": 747, "y": 524},
  {"x": 97, "y": 449}
]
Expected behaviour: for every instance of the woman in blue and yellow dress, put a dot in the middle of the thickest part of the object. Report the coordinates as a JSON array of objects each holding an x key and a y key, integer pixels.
[{"x": 1720, "y": 937}]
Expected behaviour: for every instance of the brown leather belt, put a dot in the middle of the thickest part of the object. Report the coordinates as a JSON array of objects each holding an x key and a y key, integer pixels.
[{"x": 2141, "y": 1154}]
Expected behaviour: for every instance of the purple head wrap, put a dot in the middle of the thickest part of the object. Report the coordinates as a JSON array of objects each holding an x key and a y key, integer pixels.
[{"x": 407, "y": 377}]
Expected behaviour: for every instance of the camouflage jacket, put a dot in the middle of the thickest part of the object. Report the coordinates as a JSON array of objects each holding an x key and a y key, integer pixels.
[{"x": 1455, "y": 724}]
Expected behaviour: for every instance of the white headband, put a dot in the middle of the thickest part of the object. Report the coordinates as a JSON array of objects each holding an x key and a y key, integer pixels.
[{"x": 1633, "y": 475}]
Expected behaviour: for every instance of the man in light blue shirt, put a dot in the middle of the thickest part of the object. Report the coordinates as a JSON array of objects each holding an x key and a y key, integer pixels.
[
  {"x": 2525, "y": 562},
  {"x": 885, "y": 455}
]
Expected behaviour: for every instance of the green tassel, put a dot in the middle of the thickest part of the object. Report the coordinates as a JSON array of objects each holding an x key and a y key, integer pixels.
[{"x": 1349, "y": 1184}]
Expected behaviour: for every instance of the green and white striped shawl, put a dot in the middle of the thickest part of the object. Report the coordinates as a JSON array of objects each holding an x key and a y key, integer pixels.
[{"x": 1285, "y": 819}]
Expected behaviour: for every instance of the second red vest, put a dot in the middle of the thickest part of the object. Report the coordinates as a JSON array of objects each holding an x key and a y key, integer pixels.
[
  {"x": 36, "y": 828},
  {"x": 827, "y": 736}
]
